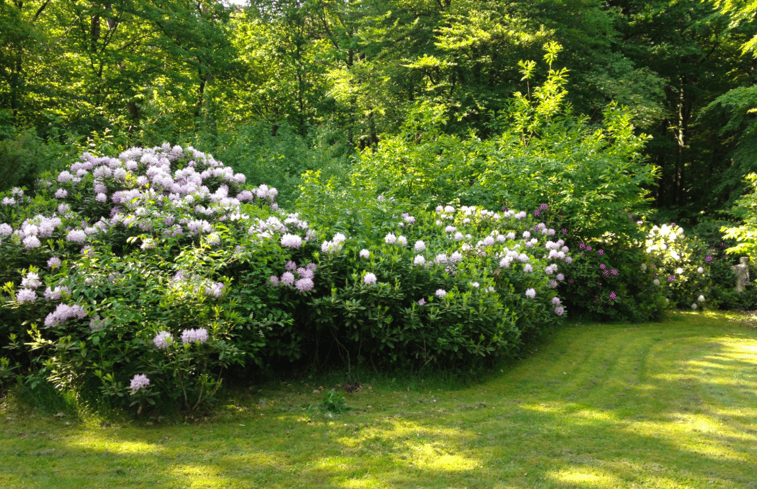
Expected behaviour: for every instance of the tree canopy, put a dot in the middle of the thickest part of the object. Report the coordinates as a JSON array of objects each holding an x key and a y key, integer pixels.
[{"x": 352, "y": 72}]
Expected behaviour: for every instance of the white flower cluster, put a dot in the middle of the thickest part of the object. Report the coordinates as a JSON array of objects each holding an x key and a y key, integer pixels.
[
  {"x": 194, "y": 335},
  {"x": 335, "y": 245}
]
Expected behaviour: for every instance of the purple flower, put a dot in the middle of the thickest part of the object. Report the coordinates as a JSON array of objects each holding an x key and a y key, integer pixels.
[
  {"x": 588, "y": 248},
  {"x": 537, "y": 213},
  {"x": 5, "y": 230},
  {"x": 96, "y": 323},
  {"x": 369, "y": 278},
  {"x": 63, "y": 313},
  {"x": 274, "y": 280},
  {"x": 613, "y": 296},
  {"x": 601, "y": 252},
  {"x": 304, "y": 284},
  {"x": 543, "y": 207},
  {"x": 602, "y": 266},
  {"x": 556, "y": 301},
  {"x": 61, "y": 193},
  {"x": 198, "y": 225},
  {"x": 194, "y": 335},
  {"x": 163, "y": 339},
  {"x": 422, "y": 302},
  {"x": 671, "y": 278},
  {"x": 26, "y": 295},
  {"x": 215, "y": 290},
  {"x": 287, "y": 278},
  {"x": 55, "y": 294},
  {"x": 53, "y": 262},
  {"x": 559, "y": 310},
  {"x": 139, "y": 381},
  {"x": 305, "y": 273},
  {"x": 614, "y": 272},
  {"x": 709, "y": 258}
]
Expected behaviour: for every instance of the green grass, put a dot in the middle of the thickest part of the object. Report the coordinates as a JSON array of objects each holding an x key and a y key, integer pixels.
[{"x": 668, "y": 405}]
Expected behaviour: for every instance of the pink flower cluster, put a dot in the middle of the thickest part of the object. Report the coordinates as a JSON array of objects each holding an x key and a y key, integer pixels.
[
  {"x": 194, "y": 335},
  {"x": 63, "y": 313},
  {"x": 139, "y": 381},
  {"x": 303, "y": 284}
]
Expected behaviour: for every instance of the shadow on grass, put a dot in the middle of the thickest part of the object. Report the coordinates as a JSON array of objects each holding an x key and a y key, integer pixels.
[{"x": 596, "y": 406}]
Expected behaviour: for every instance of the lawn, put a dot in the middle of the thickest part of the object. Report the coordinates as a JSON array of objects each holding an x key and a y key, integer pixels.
[{"x": 668, "y": 405}]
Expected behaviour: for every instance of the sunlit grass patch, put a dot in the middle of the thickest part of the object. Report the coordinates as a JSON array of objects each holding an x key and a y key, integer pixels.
[{"x": 659, "y": 405}]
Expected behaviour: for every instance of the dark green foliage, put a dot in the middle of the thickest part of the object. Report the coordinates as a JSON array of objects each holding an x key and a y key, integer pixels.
[
  {"x": 334, "y": 402},
  {"x": 24, "y": 156},
  {"x": 605, "y": 283},
  {"x": 276, "y": 155},
  {"x": 544, "y": 154}
]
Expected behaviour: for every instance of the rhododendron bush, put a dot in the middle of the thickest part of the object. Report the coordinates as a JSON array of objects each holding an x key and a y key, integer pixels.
[
  {"x": 117, "y": 250},
  {"x": 141, "y": 279},
  {"x": 680, "y": 266}
]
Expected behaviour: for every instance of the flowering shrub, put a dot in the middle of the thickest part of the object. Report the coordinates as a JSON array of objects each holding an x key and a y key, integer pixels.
[
  {"x": 127, "y": 247},
  {"x": 680, "y": 266},
  {"x": 448, "y": 285},
  {"x": 143, "y": 278},
  {"x": 603, "y": 283}
]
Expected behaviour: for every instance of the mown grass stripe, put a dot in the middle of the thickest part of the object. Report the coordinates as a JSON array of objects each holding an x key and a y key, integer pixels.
[{"x": 661, "y": 405}]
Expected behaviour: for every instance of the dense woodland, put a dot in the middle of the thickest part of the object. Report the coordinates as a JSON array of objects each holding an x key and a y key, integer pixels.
[{"x": 301, "y": 84}]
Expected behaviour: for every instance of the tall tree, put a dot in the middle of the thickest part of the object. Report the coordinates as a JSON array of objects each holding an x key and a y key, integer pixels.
[
  {"x": 689, "y": 45},
  {"x": 25, "y": 45}
]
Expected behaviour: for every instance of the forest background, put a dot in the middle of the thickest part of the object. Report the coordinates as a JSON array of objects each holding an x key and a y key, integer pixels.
[{"x": 276, "y": 88}]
